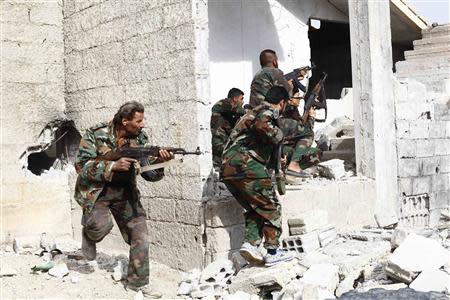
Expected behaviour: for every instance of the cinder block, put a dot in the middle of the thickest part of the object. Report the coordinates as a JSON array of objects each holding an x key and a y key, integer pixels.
[
  {"x": 430, "y": 165},
  {"x": 406, "y": 148},
  {"x": 438, "y": 129},
  {"x": 160, "y": 209},
  {"x": 408, "y": 167},
  {"x": 327, "y": 235},
  {"x": 171, "y": 234},
  {"x": 441, "y": 182},
  {"x": 223, "y": 239},
  {"x": 442, "y": 146},
  {"x": 444, "y": 164},
  {"x": 403, "y": 129},
  {"x": 302, "y": 243},
  {"x": 309, "y": 221},
  {"x": 189, "y": 212},
  {"x": 441, "y": 200},
  {"x": 442, "y": 111},
  {"x": 419, "y": 129},
  {"x": 425, "y": 148},
  {"x": 421, "y": 185},
  {"x": 405, "y": 186}
]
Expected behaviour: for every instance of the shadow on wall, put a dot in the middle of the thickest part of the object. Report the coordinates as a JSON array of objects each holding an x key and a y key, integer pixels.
[{"x": 239, "y": 30}]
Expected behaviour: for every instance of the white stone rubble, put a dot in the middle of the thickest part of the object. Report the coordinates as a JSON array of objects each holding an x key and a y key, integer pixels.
[
  {"x": 59, "y": 271},
  {"x": 431, "y": 280},
  {"x": 333, "y": 169},
  {"x": 414, "y": 255}
]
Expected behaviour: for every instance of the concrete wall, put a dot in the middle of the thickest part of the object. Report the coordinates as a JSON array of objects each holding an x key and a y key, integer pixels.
[
  {"x": 149, "y": 51},
  {"x": 32, "y": 96},
  {"x": 240, "y": 30},
  {"x": 423, "y": 139}
]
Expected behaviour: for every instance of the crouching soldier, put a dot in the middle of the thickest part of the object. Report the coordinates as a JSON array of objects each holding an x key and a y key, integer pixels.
[
  {"x": 245, "y": 165},
  {"x": 224, "y": 115}
]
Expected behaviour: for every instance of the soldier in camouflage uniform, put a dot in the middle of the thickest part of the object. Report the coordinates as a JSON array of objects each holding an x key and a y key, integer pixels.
[
  {"x": 245, "y": 163},
  {"x": 299, "y": 153},
  {"x": 267, "y": 77},
  {"x": 224, "y": 115},
  {"x": 100, "y": 195}
]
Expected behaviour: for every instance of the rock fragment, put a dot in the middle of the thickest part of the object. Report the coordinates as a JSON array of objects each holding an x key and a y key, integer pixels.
[{"x": 59, "y": 271}]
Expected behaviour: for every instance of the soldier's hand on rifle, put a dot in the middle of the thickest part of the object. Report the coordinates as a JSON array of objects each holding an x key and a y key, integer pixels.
[
  {"x": 312, "y": 112},
  {"x": 291, "y": 84},
  {"x": 123, "y": 164},
  {"x": 165, "y": 155}
]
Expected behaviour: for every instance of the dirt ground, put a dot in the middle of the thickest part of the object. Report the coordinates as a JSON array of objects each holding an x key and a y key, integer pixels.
[{"x": 96, "y": 285}]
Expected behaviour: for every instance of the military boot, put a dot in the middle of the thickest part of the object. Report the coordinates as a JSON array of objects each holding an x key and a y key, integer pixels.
[{"x": 88, "y": 247}]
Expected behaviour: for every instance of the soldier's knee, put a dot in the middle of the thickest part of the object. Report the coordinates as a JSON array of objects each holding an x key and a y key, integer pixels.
[{"x": 97, "y": 229}]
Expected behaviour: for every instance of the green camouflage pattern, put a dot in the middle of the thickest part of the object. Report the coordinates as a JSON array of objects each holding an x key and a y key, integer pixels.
[
  {"x": 130, "y": 217},
  {"x": 100, "y": 197},
  {"x": 94, "y": 173},
  {"x": 224, "y": 115},
  {"x": 299, "y": 150},
  {"x": 245, "y": 163},
  {"x": 265, "y": 79}
]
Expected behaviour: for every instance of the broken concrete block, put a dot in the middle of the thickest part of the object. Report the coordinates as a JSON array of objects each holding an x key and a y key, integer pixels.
[
  {"x": 332, "y": 169},
  {"x": 309, "y": 221},
  {"x": 184, "y": 288},
  {"x": 205, "y": 290},
  {"x": 302, "y": 243},
  {"x": 389, "y": 287},
  {"x": 348, "y": 283},
  {"x": 193, "y": 276},
  {"x": 414, "y": 255},
  {"x": 315, "y": 292},
  {"x": 321, "y": 276},
  {"x": 342, "y": 143},
  {"x": 26, "y": 244},
  {"x": 293, "y": 290},
  {"x": 339, "y": 127},
  {"x": 327, "y": 235},
  {"x": 217, "y": 271},
  {"x": 118, "y": 274},
  {"x": 251, "y": 280},
  {"x": 431, "y": 280},
  {"x": 315, "y": 257},
  {"x": 59, "y": 271},
  {"x": 386, "y": 220}
]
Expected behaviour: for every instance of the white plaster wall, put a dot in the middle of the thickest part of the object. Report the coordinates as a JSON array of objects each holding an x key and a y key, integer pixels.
[
  {"x": 32, "y": 95},
  {"x": 241, "y": 29}
]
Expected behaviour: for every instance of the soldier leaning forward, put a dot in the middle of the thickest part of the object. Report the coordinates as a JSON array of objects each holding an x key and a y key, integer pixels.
[
  {"x": 100, "y": 195},
  {"x": 245, "y": 163},
  {"x": 224, "y": 115}
]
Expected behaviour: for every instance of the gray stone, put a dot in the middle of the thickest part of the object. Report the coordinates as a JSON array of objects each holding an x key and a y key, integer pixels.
[
  {"x": 184, "y": 288},
  {"x": 431, "y": 280},
  {"x": 26, "y": 244},
  {"x": 217, "y": 271},
  {"x": 302, "y": 243},
  {"x": 309, "y": 221},
  {"x": 414, "y": 255},
  {"x": 322, "y": 276},
  {"x": 389, "y": 287},
  {"x": 59, "y": 271},
  {"x": 333, "y": 169}
]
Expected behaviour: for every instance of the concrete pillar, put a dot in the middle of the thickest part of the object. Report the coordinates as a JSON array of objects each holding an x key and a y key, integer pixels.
[{"x": 373, "y": 97}]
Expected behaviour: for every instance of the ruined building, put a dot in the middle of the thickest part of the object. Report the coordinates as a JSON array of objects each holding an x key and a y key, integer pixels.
[{"x": 67, "y": 65}]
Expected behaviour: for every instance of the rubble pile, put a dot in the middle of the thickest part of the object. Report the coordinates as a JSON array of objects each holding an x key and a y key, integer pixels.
[{"x": 370, "y": 263}]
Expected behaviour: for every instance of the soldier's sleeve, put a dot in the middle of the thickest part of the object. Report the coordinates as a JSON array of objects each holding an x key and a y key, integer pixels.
[
  {"x": 306, "y": 132},
  {"x": 151, "y": 175},
  {"x": 278, "y": 78},
  {"x": 86, "y": 163},
  {"x": 265, "y": 129}
]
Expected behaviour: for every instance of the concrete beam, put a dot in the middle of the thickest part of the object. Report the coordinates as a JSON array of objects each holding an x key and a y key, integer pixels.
[{"x": 373, "y": 96}]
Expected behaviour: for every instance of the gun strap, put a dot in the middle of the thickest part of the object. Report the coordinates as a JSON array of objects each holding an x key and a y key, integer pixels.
[{"x": 160, "y": 165}]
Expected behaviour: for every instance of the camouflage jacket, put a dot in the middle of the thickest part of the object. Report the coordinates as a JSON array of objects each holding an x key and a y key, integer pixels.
[
  {"x": 94, "y": 173},
  {"x": 263, "y": 81},
  {"x": 251, "y": 144},
  {"x": 224, "y": 116}
]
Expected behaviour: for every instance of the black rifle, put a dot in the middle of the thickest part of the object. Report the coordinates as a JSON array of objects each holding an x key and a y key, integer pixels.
[
  {"x": 315, "y": 98},
  {"x": 298, "y": 74}
]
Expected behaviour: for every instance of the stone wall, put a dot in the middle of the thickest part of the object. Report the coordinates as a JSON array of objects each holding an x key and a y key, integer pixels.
[
  {"x": 151, "y": 52},
  {"x": 32, "y": 96},
  {"x": 423, "y": 139}
]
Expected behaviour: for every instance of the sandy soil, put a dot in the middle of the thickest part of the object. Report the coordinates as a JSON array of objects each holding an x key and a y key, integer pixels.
[{"x": 96, "y": 285}]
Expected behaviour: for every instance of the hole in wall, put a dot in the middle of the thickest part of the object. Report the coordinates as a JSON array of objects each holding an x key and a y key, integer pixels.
[{"x": 58, "y": 145}]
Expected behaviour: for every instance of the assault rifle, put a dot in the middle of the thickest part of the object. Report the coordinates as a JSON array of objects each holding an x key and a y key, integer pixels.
[
  {"x": 316, "y": 98},
  {"x": 141, "y": 154},
  {"x": 298, "y": 74}
]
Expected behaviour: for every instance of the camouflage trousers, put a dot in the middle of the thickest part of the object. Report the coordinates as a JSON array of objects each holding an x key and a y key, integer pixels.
[
  {"x": 263, "y": 211},
  {"x": 130, "y": 216},
  {"x": 299, "y": 150}
]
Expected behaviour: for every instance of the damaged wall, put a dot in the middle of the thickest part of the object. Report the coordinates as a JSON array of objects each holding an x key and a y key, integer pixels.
[
  {"x": 32, "y": 96},
  {"x": 152, "y": 52},
  {"x": 423, "y": 139}
]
